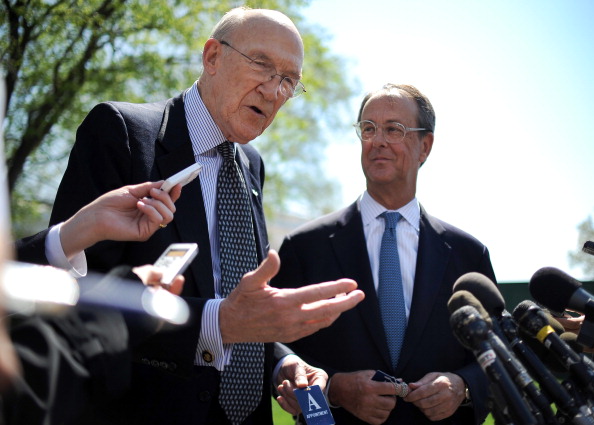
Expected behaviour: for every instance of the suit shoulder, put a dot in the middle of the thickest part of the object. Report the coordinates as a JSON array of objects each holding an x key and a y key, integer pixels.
[
  {"x": 136, "y": 111},
  {"x": 324, "y": 225},
  {"x": 451, "y": 232},
  {"x": 134, "y": 115},
  {"x": 130, "y": 107},
  {"x": 462, "y": 242}
]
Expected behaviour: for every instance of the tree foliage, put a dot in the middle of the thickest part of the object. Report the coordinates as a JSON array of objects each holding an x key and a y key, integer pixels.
[
  {"x": 579, "y": 258},
  {"x": 61, "y": 57}
]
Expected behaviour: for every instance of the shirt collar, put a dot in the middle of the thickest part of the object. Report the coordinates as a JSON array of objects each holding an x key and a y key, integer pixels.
[
  {"x": 371, "y": 210},
  {"x": 204, "y": 132}
]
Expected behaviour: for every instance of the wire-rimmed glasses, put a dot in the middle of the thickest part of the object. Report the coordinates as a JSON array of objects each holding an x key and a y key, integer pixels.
[
  {"x": 288, "y": 87},
  {"x": 393, "y": 131}
]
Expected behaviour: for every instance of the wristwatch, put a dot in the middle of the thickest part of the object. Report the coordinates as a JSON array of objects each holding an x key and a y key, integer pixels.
[{"x": 467, "y": 400}]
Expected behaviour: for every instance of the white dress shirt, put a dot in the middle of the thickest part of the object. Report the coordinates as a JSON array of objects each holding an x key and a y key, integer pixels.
[
  {"x": 407, "y": 239},
  {"x": 76, "y": 265}
]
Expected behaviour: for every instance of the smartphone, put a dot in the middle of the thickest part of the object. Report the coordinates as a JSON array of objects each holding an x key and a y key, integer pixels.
[
  {"x": 184, "y": 177},
  {"x": 175, "y": 260},
  {"x": 588, "y": 247}
]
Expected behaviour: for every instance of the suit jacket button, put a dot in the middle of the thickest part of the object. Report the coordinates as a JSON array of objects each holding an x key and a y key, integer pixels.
[
  {"x": 164, "y": 365},
  {"x": 172, "y": 366},
  {"x": 204, "y": 396},
  {"x": 145, "y": 361},
  {"x": 207, "y": 357},
  {"x": 155, "y": 363}
]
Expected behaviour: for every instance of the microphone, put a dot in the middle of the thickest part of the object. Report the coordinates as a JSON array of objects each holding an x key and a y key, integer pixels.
[
  {"x": 540, "y": 405},
  {"x": 533, "y": 320},
  {"x": 571, "y": 339},
  {"x": 484, "y": 290},
  {"x": 472, "y": 332},
  {"x": 565, "y": 402},
  {"x": 558, "y": 291},
  {"x": 487, "y": 293},
  {"x": 29, "y": 289}
]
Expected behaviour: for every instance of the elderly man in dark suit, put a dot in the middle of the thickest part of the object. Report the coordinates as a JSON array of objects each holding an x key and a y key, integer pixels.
[
  {"x": 410, "y": 338},
  {"x": 215, "y": 369}
]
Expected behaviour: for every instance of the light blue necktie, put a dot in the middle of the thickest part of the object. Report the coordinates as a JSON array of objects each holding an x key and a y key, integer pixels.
[{"x": 391, "y": 298}]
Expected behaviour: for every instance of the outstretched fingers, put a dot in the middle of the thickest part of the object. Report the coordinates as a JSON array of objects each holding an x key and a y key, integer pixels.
[{"x": 259, "y": 278}]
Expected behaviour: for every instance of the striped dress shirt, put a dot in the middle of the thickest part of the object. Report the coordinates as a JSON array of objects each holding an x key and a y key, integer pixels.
[{"x": 206, "y": 136}]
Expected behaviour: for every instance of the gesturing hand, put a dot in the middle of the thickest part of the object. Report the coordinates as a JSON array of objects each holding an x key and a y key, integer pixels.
[{"x": 257, "y": 312}]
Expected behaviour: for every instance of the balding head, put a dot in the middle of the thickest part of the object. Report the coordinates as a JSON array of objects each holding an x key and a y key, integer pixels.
[
  {"x": 242, "y": 99},
  {"x": 252, "y": 20}
]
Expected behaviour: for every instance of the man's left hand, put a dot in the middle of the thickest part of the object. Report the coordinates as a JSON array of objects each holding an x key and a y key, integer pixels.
[
  {"x": 295, "y": 373},
  {"x": 437, "y": 395}
]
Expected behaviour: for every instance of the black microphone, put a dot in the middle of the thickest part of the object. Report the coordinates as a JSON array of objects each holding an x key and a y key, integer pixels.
[
  {"x": 572, "y": 340},
  {"x": 540, "y": 405},
  {"x": 472, "y": 332},
  {"x": 558, "y": 291},
  {"x": 532, "y": 319},
  {"x": 484, "y": 290},
  {"x": 487, "y": 293},
  {"x": 566, "y": 403},
  {"x": 490, "y": 297}
]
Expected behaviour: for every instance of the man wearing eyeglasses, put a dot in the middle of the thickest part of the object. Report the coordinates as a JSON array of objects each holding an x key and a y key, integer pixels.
[
  {"x": 406, "y": 261},
  {"x": 216, "y": 369}
]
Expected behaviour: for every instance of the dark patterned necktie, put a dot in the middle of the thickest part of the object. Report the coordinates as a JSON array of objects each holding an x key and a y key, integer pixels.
[
  {"x": 242, "y": 379},
  {"x": 391, "y": 297}
]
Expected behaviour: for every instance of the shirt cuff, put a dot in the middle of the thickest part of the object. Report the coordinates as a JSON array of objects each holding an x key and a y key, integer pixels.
[
  {"x": 278, "y": 367},
  {"x": 210, "y": 350},
  {"x": 326, "y": 391},
  {"x": 76, "y": 266}
]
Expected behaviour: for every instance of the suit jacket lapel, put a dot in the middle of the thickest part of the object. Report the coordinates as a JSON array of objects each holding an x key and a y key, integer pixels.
[
  {"x": 351, "y": 253},
  {"x": 190, "y": 218},
  {"x": 432, "y": 259}
]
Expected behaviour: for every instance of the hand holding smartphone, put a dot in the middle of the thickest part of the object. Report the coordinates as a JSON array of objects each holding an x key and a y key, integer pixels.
[
  {"x": 175, "y": 260},
  {"x": 184, "y": 177}
]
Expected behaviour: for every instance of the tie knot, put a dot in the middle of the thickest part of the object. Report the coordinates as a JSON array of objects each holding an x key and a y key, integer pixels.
[
  {"x": 226, "y": 150},
  {"x": 391, "y": 218}
]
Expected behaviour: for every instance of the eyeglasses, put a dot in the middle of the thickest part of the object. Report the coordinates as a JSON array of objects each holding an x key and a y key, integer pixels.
[
  {"x": 393, "y": 131},
  {"x": 288, "y": 87}
]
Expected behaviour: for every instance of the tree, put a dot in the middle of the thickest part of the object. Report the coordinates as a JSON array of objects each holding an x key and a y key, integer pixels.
[
  {"x": 579, "y": 258},
  {"x": 61, "y": 57}
]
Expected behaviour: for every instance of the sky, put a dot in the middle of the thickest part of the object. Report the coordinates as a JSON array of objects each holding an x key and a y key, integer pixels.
[{"x": 512, "y": 85}]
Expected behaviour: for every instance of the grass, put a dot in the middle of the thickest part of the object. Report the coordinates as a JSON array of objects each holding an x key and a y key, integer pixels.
[
  {"x": 280, "y": 416},
  {"x": 283, "y": 418}
]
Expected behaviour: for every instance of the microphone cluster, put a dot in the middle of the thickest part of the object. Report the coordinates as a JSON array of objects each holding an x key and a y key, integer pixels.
[{"x": 537, "y": 373}]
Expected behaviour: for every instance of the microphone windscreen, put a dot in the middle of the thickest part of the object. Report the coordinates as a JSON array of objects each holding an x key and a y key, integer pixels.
[
  {"x": 538, "y": 318},
  {"x": 464, "y": 298},
  {"x": 554, "y": 323},
  {"x": 545, "y": 316},
  {"x": 468, "y": 327},
  {"x": 571, "y": 339},
  {"x": 485, "y": 291},
  {"x": 553, "y": 288}
]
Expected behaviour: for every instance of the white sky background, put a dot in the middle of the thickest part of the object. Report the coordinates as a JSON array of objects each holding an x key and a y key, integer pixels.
[{"x": 512, "y": 84}]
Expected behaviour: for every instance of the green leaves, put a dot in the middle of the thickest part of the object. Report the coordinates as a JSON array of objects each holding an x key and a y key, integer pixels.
[{"x": 61, "y": 58}]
